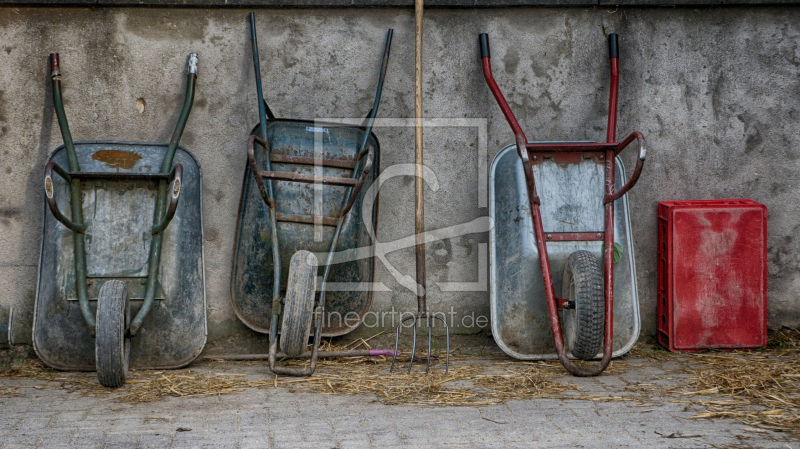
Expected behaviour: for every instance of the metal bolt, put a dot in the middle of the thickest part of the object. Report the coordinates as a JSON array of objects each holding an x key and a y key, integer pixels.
[
  {"x": 534, "y": 158},
  {"x": 598, "y": 235},
  {"x": 549, "y": 236}
]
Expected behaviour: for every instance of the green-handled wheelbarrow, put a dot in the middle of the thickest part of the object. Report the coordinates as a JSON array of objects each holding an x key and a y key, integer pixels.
[
  {"x": 121, "y": 279},
  {"x": 304, "y": 186}
]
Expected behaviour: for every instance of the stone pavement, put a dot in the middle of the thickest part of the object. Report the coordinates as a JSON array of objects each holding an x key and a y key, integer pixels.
[{"x": 41, "y": 414}]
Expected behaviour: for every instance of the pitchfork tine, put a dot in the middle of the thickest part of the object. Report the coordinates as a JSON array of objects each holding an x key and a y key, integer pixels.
[
  {"x": 430, "y": 343},
  {"x": 447, "y": 337},
  {"x": 397, "y": 341},
  {"x": 413, "y": 347},
  {"x": 430, "y": 336}
]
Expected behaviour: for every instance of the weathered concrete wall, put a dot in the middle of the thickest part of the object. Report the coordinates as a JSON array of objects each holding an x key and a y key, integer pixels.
[{"x": 716, "y": 92}]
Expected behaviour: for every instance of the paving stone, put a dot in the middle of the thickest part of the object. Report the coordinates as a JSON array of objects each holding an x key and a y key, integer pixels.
[
  {"x": 250, "y": 420},
  {"x": 23, "y": 439},
  {"x": 354, "y": 444},
  {"x": 155, "y": 441},
  {"x": 252, "y": 440}
]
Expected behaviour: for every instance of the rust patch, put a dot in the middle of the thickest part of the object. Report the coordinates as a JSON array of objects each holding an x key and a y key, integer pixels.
[{"x": 117, "y": 158}]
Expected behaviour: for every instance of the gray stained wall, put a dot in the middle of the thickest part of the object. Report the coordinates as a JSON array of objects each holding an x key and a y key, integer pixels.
[{"x": 715, "y": 90}]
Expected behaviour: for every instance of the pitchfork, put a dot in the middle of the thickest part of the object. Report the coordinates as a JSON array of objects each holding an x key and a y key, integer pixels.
[{"x": 419, "y": 208}]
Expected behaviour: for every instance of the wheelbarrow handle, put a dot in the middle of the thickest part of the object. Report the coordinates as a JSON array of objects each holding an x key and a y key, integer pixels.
[
  {"x": 49, "y": 194},
  {"x": 251, "y": 159},
  {"x": 484, "y": 40},
  {"x": 174, "y": 195},
  {"x": 519, "y": 135},
  {"x": 58, "y": 104},
  {"x": 188, "y": 101},
  {"x": 636, "y": 172},
  {"x": 360, "y": 183},
  {"x": 613, "y": 46}
]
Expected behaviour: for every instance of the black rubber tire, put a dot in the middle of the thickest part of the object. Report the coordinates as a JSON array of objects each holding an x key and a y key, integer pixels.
[
  {"x": 298, "y": 309},
  {"x": 112, "y": 348},
  {"x": 583, "y": 325}
]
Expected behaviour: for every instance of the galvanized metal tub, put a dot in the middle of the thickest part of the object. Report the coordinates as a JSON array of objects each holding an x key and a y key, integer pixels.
[
  {"x": 119, "y": 216},
  {"x": 571, "y": 201},
  {"x": 292, "y": 144}
]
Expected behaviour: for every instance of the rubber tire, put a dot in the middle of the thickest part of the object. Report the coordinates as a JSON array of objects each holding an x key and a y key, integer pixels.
[
  {"x": 112, "y": 348},
  {"x": 298, "y": 309},
  {"x": 583, "y": 326}
]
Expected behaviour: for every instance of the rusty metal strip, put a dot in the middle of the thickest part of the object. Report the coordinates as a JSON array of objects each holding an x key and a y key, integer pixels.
[
  {"x": 567, "y": 157},
  {"x": 574, "y": 236},
  {"x": 287, "y": 159},
  {"x": 114, "y": 176},
  {"x": 306, "y": 219},
  {"x": 570, "y": 147},
  {"x": 311, "y": 179}
]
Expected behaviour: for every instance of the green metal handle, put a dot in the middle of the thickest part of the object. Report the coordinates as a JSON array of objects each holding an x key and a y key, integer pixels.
[
  {"x": 166, "y": 166},
  {"x": 76, "y": 205},
  {"x": 174, "y": 193},
  {"x": 161, "y": 213},
  {"x": 58, "y": 102},
  {"x": 49, "y": 194},
  {"x": 381, "y": 76},
  {"x": 270, "y": 198}
]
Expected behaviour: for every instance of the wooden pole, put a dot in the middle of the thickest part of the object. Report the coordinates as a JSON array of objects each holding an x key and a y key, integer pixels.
[{"x": 419, "y": 205}]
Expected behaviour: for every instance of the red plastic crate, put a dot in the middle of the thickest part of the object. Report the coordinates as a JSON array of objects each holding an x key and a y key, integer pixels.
[{"x": 712, "y": 274}]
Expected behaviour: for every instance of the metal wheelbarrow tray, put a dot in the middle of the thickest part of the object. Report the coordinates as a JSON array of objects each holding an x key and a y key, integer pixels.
[
  {"x": 123, "y": 214},
  {"x": 569, "y": 195},
  {"x": 560, "y": 207},
  {"x": 292, "y": 143}
]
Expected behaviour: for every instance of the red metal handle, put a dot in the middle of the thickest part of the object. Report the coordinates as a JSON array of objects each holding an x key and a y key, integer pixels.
[
  {"x": 613, "y": 53},
  {"x": 519, "y": 135},
  {"x": 636, "y": 172},
  {"x": 501, "y": 101}
]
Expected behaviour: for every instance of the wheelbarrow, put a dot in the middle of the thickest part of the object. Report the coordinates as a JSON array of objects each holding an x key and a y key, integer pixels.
[
  {"x": 582, "y": 205},
  {"x": 302, "y": 195},
  {"x": 121, "y": 279}
]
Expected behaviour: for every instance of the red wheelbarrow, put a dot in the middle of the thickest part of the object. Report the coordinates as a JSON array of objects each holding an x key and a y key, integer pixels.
[{"x": 580, "y": 184}]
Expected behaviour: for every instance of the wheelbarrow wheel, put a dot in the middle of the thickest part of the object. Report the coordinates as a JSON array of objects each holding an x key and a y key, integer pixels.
[
  {"x": 299, "y": 308},
  {"x": 583, "y": 287},
  {"x": 112, "y": 348}
]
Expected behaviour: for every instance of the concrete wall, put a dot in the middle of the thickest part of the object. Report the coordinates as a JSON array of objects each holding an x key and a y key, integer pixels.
[{"x": 716, "y": 91}]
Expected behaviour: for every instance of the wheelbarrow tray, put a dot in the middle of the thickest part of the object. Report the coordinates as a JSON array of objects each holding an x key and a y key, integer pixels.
[
  {"x": 119, "y": 216},
  {"x": 571, "y": 201},
  {"x": 292, "y": 142}
]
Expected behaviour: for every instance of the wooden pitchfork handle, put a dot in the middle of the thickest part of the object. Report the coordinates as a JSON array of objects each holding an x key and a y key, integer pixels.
[{"x": 419, "y": 204}]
